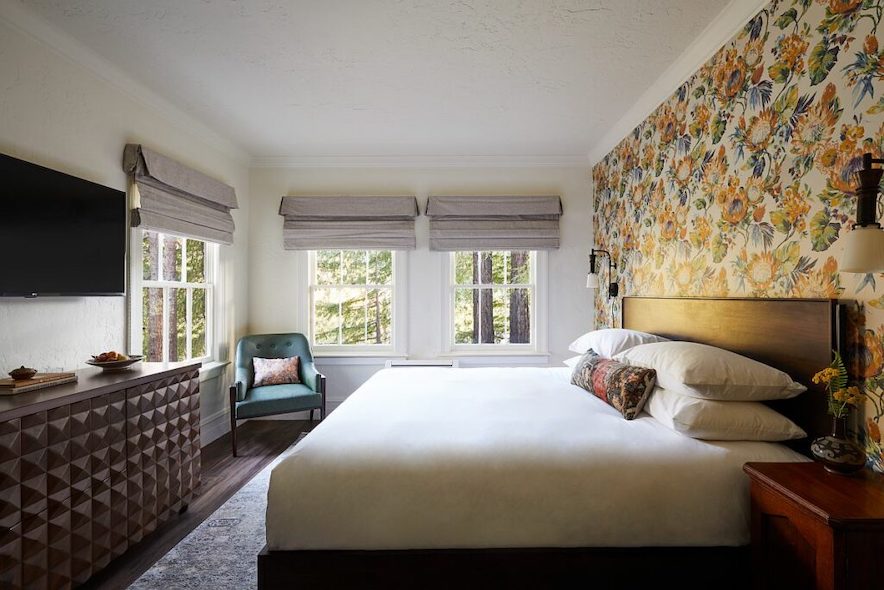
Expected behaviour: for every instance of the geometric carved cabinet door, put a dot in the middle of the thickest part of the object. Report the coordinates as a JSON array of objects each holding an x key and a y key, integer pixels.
[{"x": 162, "y": 449}]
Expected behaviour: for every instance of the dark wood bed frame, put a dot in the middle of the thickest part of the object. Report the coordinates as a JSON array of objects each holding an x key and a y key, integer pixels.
[{"x": 795, "y": 335}]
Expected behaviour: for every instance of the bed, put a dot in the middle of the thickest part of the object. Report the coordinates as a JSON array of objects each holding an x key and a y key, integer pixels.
[{"x": 516, "y": 477}]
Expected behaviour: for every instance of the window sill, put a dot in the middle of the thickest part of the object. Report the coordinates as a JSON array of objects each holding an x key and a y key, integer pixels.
[
  {"x": 212, "y": 370},
  {"x": 492, "y": 353},
  {"x": 354, "y": 358}
]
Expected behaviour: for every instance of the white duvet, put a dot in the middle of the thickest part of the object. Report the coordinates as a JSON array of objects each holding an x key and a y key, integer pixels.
[{"x": 504, "y": 457}]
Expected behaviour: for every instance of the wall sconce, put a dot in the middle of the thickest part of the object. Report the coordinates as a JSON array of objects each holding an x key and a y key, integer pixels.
[
  {"x": 863, "y": 246},
  {"x": 592, "y": 278}
]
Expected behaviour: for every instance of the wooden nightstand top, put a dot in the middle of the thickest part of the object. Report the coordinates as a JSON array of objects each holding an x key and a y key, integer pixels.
[{"x": 837, "y": 499}]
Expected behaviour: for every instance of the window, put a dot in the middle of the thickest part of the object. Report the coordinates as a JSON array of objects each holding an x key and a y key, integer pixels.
[
  {"x": 492, "y": 298},
  {"x": 176, "y": 287},
  {"x": 352, "y": 299}
]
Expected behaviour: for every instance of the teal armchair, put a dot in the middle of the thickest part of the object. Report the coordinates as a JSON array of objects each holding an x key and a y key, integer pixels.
[{"x": 247, "y": 401}]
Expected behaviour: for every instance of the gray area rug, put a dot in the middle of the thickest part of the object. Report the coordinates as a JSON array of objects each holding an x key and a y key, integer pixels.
[{"x": 221, "y": 552}]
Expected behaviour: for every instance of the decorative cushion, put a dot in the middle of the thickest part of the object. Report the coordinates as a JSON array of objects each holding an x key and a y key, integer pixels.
[
  {"x": 611, "y": 341},
  {"x": 700, "y": 370},
  {"x": 623, "y": 387},
  {"x": 715, "y": 420},
  {"x": 572, "y": 362},
  {"x": 275, "y": 371}
]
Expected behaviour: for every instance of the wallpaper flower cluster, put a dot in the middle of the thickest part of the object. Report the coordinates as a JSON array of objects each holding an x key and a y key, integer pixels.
[{"x": 737, "y": 184}]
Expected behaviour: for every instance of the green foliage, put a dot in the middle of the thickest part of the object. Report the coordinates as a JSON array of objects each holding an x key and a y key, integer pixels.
[
  {"x": 352, "y": 300},
  {"x": 823, "y": 231},
  {"x": 787, "y": 18},
  {"x": 822, "y": 59}
]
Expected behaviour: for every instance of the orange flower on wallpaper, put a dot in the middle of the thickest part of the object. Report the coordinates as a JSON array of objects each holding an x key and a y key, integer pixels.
[
  {"x": 760, "y": 130},
  {"x": 666, "y": 125},
  {"x": 668, "y": 224},
  {"x": 733, "y": 201},
  {"x": 870, "y": 353},
  {"x": 791, "y": 52},
  {"x": 730, "y": 75},
  {"x": 794, "y": 206},
  {"x": 759, "y": 271},
  {"x": 753, "y": 52},
  {"x": 840, "y": 161},
  {"x": 842, "y": 6},
  {"x": 873, "y": 430},
  {"x": 684, "y": 276},
  {"x": 823, "y": 282},
  {"x": 817, "y": 125},
  {"x": 700, "y": 121},
  {"x": 684, "y": 170},
  {"x": 715, "y": 172},
  {"x": 699, "y": 236}
]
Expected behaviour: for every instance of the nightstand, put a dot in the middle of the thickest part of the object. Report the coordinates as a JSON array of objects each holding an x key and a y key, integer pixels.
[{"x": 813, "y": 529}]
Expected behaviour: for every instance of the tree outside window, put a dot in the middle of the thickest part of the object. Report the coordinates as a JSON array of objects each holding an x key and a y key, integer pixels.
[
  {"x": 493, "y": 295},
  {"x": 176, "y": 291},
  {"x": 351, "y": 294}
]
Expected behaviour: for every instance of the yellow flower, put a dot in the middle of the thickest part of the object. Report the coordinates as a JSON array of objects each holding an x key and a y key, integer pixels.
[
  {"x": 840, "y": 395},
  {"x": 792, "y": 49},
  {"x": 795, "y": 203},
  {"x": 826, "y": 375},
  {"x": 666, "y": 124}
]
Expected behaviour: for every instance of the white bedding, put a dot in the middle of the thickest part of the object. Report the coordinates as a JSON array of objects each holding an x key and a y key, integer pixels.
[{"x": 504, "y": 457}]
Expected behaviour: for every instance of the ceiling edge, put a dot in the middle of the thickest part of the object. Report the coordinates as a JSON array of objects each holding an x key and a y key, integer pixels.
[
  {"x": 66, "y": 46},
  {"x": 565, "y": 161},
  {"x": 724, "y": 26}
]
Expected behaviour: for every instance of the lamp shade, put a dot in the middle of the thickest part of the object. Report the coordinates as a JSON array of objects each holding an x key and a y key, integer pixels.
[
  {"x": 862, "y": 250},
  {"x": 592, "y": 281}
]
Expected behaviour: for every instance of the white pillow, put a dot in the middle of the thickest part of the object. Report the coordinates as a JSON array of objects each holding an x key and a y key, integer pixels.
[
  {"x": 611, "y": 341},
  {"x": 699, "y": 370},
  {"x": 714, "y": 420},
  {"x": 572, "y": 362}
]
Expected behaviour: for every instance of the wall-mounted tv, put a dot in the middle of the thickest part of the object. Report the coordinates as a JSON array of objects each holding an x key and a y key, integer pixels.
[{"x": 59, "y": 234}]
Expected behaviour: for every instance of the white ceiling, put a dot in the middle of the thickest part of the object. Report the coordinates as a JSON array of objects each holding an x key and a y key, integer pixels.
[{"x": 393, "y": 77}]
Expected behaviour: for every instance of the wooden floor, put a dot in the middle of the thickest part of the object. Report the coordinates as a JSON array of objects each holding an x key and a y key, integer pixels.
[{"x": 259, "y": 442}]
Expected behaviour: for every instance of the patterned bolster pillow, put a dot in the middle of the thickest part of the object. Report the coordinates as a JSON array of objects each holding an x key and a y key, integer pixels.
[
  {"x": 623, "y": 387},
  {"x": 276, "y": 371}
]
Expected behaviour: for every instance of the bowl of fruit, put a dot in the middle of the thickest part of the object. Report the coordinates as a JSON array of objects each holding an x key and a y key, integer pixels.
[{"x": 113, "y": 361}]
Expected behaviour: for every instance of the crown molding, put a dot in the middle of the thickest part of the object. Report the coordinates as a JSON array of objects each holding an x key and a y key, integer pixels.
[
  {"x": 724, "y": 26},
  {"x": 23, "y": 20},
  {"x": 565, "y": 161}
]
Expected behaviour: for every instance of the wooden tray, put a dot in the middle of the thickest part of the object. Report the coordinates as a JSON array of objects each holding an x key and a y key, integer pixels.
[{"x": 11, "y": 386}]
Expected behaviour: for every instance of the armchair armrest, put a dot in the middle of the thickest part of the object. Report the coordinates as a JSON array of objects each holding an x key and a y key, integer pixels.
[
  {"x": 311, "y": 377},
  {"x": 241, "y": 381},
  {"x": 238, "y": 391}
]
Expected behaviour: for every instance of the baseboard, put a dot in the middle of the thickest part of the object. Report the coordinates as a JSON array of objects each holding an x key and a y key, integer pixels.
[{"x": 214, "y": 426}]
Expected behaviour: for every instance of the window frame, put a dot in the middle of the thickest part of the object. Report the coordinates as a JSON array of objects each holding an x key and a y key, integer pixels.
[
  {"x": 137, "y": 284},
  {"x": 397, "y": 303},
  {"x": 537, "y": 310}
]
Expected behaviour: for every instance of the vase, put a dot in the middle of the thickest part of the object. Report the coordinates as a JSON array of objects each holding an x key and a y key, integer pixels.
[{"x": 837, "y": 452}]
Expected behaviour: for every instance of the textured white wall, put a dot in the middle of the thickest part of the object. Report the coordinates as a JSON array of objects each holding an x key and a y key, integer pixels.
[
  {"x": 64, "y": 116},
  {"x": 274, "y": 274}
]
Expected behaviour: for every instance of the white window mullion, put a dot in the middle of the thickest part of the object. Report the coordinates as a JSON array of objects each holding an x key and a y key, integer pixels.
[
  {"x": 165, "y": 347},
  {"x": 188, "y": 332}
]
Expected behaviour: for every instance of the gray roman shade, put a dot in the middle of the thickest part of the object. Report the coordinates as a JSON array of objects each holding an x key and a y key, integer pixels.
[
  {"x": 494, "y": 223},
  {"x": 173, "y": 198},
  {"x": 336, "y": 222}
]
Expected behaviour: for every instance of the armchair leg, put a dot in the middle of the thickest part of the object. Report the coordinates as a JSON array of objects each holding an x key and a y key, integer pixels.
[
  {"x": 233, "y": 419},
  {"x": 311, "y": 415}
]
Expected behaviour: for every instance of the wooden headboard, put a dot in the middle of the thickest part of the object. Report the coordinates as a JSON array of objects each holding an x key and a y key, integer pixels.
[{"x": 794, "y": 335}]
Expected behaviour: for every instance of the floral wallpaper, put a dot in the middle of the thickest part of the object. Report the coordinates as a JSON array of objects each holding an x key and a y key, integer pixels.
[{"x": 737, "y": 184}]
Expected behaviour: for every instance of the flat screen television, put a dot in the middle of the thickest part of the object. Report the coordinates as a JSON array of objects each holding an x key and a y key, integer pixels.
[{"x": 59, "y": 234}]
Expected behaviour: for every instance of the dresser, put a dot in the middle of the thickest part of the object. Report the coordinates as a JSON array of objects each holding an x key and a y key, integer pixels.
[
  {"x": 88, "y": 469},
  {"x": 816, "y": 530}
]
